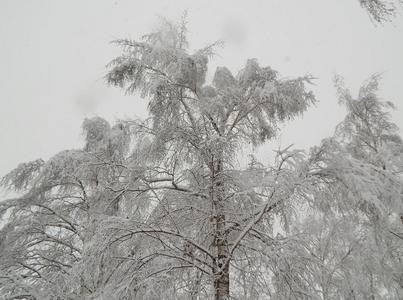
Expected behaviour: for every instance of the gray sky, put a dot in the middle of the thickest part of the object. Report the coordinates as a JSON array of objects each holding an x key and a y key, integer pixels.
[{"x": 53, "y": 53}]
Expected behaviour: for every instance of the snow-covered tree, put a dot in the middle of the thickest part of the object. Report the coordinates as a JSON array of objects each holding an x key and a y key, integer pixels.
[
  {"x": 356, "y": 234},
  {"x": 381, "y": 10},
  {"x": 205, "y": 209},
  {"x": 47, "y": 240},
  {"x": 161, "y": 209}
]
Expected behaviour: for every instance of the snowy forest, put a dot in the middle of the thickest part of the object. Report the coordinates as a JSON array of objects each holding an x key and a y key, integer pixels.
[{"x": 161, "y": 208}]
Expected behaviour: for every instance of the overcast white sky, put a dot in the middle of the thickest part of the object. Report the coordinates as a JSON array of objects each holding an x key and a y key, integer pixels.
[{"x": 53, "y": 53}]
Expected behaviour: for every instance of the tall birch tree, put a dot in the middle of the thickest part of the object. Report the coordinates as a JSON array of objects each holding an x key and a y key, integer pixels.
[{"x": 198, "y": 128}]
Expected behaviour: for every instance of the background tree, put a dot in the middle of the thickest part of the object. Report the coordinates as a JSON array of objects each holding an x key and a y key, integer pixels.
[
  {"x": 381, "y": 10},
  {"x": 357, "y": 230},
  {"x": 47, "y": 240}
]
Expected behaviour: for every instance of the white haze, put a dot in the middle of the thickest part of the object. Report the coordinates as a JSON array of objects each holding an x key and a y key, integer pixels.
[{"x": 53, "y": 54}]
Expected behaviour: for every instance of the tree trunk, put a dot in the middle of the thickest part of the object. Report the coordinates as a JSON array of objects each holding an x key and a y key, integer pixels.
[
  {"x": 221, "y": 272},
  {"x": 221, "y": 280}
]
